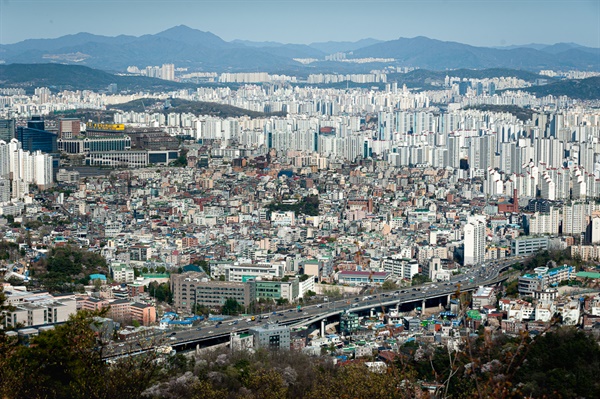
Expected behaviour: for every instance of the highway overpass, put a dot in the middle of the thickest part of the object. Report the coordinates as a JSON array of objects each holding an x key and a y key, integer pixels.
[{"x": 409, "y": 298}]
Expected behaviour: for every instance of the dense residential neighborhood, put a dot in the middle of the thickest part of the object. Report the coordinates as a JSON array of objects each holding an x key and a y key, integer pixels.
[{"x": 380, "y": 231}]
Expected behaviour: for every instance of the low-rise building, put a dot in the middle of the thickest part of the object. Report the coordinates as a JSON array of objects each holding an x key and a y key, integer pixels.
[
  {"x": 484, "y": 296},
  {"x": 215, "y": 293},
  {"x": 183, "y": 287},
  {"x": 241, "y": 342},
  {"x": 528, "y": 245},
  {"x": 121, "y": 310},
  {"x": 143, "y": 313},
  {"x": 121, "y": 272},
  {"x": 401, "y": 267},
  {"x": 349, "y": 323},
  {"x": 271, "y": 336},
  {"x": 544, "y": 277},
  {"x": 38, "y": 313},
  {"x": 193, "y": 288},
  {"x": 361, "y": 278}
]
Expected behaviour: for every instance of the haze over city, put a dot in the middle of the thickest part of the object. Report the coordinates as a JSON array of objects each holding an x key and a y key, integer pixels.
[{"x": 479, "y": 23}]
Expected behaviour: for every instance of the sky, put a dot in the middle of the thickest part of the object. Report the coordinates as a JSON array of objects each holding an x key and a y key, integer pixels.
[{"x": 475, "y": 22}]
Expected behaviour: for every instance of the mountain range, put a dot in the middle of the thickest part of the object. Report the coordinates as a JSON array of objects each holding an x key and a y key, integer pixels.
[{"x": 199, "y": 50}]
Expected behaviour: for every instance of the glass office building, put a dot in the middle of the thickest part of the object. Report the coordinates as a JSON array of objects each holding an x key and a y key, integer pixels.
[{"x": 35, "y": 138}]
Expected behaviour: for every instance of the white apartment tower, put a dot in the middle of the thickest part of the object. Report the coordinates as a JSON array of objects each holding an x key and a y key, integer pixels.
[
  {"x": 42, "y": 170},
  {"x": 595, "y": 236},
  {"x": 167, "y": 72},
  {"x": 474, "y": 232}
]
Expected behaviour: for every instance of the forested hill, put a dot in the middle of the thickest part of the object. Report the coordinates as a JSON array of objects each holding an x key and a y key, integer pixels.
[
  {"x": 77, "y": 77},
  {"x": 184, "y": 106},
  {"x": 583, "y": 89}
]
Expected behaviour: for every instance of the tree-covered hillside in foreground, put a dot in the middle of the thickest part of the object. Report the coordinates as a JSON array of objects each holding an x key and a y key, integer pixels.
[{"x": 67, "y": 363}]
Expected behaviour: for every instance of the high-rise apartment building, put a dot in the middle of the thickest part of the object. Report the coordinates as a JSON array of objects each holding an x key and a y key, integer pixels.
[
  {"x": 167, "y": 72},
  {"x": 474, "y": 245},
  {"x": 4, "y": 190},
  {"x": 43, "y": 94},
  {"x": 7, "y": 129}
]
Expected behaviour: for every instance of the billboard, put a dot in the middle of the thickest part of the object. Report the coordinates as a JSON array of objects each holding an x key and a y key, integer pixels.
[{"x": 106, "y": 126}]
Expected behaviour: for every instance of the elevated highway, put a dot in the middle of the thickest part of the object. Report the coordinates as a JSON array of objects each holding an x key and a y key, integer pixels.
[{"x": 411, "y": 297}]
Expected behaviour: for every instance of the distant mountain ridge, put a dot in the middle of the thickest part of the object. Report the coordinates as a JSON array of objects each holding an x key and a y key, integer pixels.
[
  {"x": 337, "y": 47},
  {"x": 199, "y": 50},
  {"x": 552, "y": 48},
  {"x": 428, "y": 53}
]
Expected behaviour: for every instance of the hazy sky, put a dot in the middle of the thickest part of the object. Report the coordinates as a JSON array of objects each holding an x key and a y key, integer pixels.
[{"x": 476, "y": 22}]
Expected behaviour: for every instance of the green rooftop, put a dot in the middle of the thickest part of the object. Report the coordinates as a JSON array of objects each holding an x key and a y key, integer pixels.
[
  {"x": 588, "y": 275},
  {"x": 474, "y": 314}
]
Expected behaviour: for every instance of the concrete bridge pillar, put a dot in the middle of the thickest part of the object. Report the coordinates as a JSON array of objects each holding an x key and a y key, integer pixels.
[
  {"x": 322, "y": 328},
  {"x": 423, "y": 305}
]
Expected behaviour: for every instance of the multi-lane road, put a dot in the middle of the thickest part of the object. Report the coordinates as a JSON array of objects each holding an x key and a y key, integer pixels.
[{"x": 486, "y": 274}]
